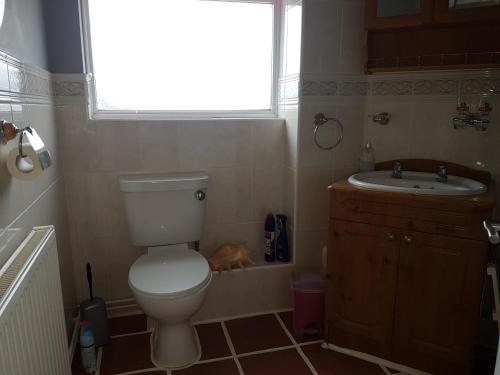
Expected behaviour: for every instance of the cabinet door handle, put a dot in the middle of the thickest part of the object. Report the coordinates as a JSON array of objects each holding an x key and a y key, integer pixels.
[
  {"x": 408, "y": 238},
  {"x": 391, "y": 236}
]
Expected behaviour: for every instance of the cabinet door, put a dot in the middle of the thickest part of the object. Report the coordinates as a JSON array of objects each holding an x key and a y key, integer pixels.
[
  {"x": 385, "y": 14},
  {"x": 463, "y": 11},
  {"x": 362, "y": 274},
  {"x": 437, "y": 301}
]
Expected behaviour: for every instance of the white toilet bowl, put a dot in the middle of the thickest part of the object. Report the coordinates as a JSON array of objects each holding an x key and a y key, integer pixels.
[
  {"x": 165, "y": 213},
  {"x": 170, "y": 287}
]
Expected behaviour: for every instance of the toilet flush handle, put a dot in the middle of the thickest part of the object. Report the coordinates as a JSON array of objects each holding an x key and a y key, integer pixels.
[{"x": 200, "y": 195}]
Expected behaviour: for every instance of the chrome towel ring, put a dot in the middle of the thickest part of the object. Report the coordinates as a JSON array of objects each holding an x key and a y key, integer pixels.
[{"x": 319, "y": 120}]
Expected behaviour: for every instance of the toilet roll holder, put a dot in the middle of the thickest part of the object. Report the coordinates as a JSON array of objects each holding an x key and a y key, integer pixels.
[{"x": 9, "y": 131}]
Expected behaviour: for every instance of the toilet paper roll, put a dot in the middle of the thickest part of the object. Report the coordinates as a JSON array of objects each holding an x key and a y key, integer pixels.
[{"x": 24, "y": 168}]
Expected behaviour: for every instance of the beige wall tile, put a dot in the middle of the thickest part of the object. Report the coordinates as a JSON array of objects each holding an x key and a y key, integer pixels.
[
  {"x": 121, "y": 257},
  {"x": 159, "y": 147},
  {"x": 291, "y": 136},
  {"x": 240, "y": 292},
  {"x": 196, "y": 145},
  {"x": 268, "y": 142},
  {"x": 321, "y": 38},
  {"x": 308, "y": 248},
  {"x": 232, "y": 194},
  {"x": 312, "y": 197},
  {"x": 289, "y": 191},
  {"x": 268, "y": 191},
  {"x": 233, "y": 146},
  {"x": 390, "y": 141}
]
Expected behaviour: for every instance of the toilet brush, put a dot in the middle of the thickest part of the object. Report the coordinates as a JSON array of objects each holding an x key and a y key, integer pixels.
[{"x": 94, "y": 311}]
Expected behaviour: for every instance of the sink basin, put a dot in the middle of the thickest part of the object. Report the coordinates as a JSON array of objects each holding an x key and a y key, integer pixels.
[{"x": 416, "y": 183}]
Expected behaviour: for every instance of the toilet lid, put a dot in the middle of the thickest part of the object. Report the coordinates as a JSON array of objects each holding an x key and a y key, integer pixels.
[{"x": 177, "y": 271}]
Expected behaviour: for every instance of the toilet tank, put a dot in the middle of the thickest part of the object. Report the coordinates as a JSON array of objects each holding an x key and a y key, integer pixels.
[{"x": 164, "y": 209}]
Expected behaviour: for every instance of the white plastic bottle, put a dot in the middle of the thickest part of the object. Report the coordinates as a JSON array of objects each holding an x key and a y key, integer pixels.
[
  {"x": 87, "y": 347},
  {"x": 367, "y": 159}
]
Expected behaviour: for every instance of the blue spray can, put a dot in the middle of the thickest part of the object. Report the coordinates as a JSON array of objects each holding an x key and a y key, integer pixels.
[
  {"x": 282, "y": 250},
  {"x": 269, "y": 240}
]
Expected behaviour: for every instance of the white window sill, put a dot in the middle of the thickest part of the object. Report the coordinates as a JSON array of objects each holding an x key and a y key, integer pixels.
[{"x": 176, "y": 116}]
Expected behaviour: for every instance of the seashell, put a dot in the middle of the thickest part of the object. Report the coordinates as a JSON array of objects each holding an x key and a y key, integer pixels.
[{"x": 230, "y": 255}]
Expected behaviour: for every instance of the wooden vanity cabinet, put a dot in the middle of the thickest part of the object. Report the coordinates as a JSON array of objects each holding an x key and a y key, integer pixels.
[
  {"x": 405, "y": 276},
  {"x": 437, "y": 301},
  {"x": 362, "y": 264}
]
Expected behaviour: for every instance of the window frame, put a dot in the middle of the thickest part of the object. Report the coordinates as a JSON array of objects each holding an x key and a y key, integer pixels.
[{"x": 95, "y": 114}]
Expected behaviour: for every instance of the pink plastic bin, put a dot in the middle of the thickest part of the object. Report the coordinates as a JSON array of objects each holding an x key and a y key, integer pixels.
[{"x": 309, "y": 304}]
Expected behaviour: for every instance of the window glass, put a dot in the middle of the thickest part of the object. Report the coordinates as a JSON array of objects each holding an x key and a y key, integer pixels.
[{"x": 181, "y": 55}]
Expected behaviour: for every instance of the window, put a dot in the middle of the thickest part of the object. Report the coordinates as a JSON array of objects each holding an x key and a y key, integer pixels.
[{"x": 181, "y": 57}]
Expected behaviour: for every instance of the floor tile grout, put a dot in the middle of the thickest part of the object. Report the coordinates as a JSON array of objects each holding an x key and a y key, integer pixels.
[
  {"x": 130, "y": 334},
  {"x": 217, "y": 359},
  {"x": 283, "y": 325},
  {"x": 263, "y": 351},
  {"x": 310, "y": 342},
  {"x": 231, "y": 348},
  {"x": 297, "y": 346},
  {"x": 156, "y": 369},
  {"x": 249, "y": 315}
]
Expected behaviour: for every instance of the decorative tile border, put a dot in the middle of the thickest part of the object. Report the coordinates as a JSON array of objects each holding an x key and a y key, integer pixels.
[
  {"x": 397, "y": 87},
  {"x": 435, "y": 87},
  {"x": 73, "y": 85},
  {"x": 489, "y": 86},
  {"x": 434, "y": 84},
  {"x": 353, "y": 88},
  {"x": 23, "y": 82},
  {"x": 68, "y": 88}
]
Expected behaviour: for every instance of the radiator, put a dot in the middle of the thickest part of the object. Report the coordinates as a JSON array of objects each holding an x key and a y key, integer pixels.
[{"x": 32, "y": 328}]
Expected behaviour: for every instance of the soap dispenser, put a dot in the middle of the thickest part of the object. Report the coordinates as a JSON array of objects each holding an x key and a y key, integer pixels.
[{"x": 367, "y": 159}]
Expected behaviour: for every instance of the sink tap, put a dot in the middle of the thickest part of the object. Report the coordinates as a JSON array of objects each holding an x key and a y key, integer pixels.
[
  {"x": 442, "y": 174},
  {"x": 396, "y": 170}
]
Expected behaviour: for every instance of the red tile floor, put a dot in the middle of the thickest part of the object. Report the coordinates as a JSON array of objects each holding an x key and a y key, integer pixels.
[{"x": 257, "y": 345}]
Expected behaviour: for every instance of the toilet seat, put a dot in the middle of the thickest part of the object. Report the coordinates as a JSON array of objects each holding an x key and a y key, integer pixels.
[{"x": 175, "y": 273}]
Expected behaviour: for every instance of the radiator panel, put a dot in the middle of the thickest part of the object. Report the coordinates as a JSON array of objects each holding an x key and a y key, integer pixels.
[{"x": 32, "y": 323}]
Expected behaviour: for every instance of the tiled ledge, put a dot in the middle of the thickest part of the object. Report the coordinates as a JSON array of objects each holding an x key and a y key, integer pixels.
[{"x": 260, "y": 265}]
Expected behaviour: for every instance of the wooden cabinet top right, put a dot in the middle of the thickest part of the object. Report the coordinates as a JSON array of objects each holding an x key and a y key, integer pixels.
[
  {"x": 432, "y": 34},
  {"x": 452, "y": 11}
]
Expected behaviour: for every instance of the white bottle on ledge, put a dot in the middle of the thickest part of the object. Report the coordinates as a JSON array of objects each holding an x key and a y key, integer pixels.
[{"x": 367, "y": 159}]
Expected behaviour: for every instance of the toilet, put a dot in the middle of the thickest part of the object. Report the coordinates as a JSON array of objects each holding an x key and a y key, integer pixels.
[{"x": 170, "y": 283}]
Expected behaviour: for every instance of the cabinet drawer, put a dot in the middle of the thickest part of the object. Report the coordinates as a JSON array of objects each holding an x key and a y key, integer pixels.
[{"x": 458, "y": 224}]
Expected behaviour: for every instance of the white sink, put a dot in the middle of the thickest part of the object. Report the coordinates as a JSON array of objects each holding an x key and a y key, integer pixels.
[{"x": 417, "y": 183}]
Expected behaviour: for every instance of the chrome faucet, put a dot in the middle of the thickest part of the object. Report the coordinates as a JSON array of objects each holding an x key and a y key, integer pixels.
[
  {"x": 442, "y": 173},
  {"x": 396, "y": 170}
]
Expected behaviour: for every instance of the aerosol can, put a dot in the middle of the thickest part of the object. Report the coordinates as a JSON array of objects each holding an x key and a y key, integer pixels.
[
  {"x": 282, "y": 251},
  {"x": 269, "y": 239}
]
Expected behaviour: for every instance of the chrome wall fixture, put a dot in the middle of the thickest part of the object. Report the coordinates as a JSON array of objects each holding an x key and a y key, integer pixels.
[
  {"x": 27, "y": 136},
  {"x": 382, "y": 118},
  {"x": 465, "y": 118},
  {"x": 319, "y": 120}
]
